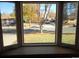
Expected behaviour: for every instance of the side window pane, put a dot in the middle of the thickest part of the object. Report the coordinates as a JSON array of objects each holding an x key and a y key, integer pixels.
[
  {"x": 69, "y": 23},
  {"x": 8, "y": 19}
]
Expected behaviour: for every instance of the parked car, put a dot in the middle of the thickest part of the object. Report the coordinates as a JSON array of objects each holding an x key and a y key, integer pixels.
[
  {"x": 49, "y": 27},
  {"x": 9, "y": 23},
  {"x": 12, "y": 22}
]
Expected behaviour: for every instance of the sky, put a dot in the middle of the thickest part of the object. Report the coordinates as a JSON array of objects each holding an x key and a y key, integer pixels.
[
  {"x": 53, "y": 7},
  {"x": 6, "y": 7}
]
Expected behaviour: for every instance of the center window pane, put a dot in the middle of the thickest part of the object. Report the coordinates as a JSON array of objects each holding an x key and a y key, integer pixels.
[{"x": 39, "y": 23}]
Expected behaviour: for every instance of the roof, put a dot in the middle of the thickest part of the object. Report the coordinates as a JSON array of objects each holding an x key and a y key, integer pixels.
[{"x": 6, "y": 16}]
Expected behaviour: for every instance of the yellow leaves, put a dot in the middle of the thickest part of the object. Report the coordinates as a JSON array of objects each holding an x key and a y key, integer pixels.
[{"x": 29, "y": 11}]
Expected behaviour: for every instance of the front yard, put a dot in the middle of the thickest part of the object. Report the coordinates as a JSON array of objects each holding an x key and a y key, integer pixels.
[
  {"x": 47, "y": 38},
  {"x": 33, "y": 35}
]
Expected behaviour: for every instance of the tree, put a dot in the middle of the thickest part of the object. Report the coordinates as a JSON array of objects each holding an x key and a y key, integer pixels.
[
  {"x": 73, "y": 14},
  {"x": 47, "y": 9},
  {"x": 29, "y": 12},
  {"x": 26, "y": 12},
  {"x": 70, "y": 11},
  {"x": 13, "y": 14}
]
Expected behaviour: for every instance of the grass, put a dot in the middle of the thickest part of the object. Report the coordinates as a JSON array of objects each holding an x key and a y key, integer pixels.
[
  {"x": 39, "y": 38},
  {"x": 68, "y": 38},
  {"x": 48, "y": 38}
]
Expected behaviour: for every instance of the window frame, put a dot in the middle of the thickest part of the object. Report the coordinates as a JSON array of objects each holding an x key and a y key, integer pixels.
[
  {"x": 58, "y": 31},
  {"x": 77, "y": 29},
  {"x": 4, "y": 48},
  {"x": 38, "y": 44},
  {"x": 76, "y": 33},
  {"x": 1, "y": 36}
]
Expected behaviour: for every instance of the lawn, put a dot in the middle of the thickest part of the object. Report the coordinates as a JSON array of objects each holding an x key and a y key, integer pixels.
[
  {"x": 39, "y": 38},
  {"x": 47, "y": 38},
  {"x": 68, "y": 38}
]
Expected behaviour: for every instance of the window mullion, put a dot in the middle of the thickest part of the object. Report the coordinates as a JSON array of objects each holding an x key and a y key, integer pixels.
[
  {"x": 59, "y": 23},
  {"x": 1, "y": 36},
  {"x": 77, "y": 28},
  {"x": 19, "y": 23}
]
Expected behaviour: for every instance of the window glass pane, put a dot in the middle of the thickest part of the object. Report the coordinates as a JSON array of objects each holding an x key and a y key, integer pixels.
[
  {"x": 39, "y": 23},
  {"x": 8, "y": 19},
  {"x": 69, "y": 23}
]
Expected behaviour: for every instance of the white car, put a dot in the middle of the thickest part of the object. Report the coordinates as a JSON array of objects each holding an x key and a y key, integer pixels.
[{"x": 49, "y": 27}]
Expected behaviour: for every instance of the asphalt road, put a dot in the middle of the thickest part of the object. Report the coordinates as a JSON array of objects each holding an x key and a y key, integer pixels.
[{"x": 36, "y": 27}]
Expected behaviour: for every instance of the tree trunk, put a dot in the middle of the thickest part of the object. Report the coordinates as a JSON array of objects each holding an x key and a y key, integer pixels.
[
  {"x": 47, "y": 9},
  {"x": 29, "y": 23},
  {"x": 41, "y": 29}
]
